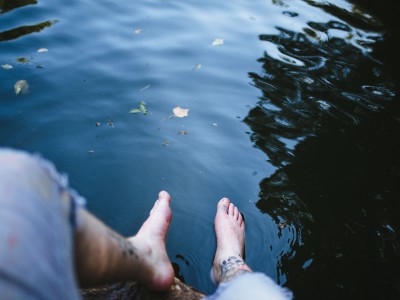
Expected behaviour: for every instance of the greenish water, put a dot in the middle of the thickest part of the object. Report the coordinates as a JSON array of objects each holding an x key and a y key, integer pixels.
[{"x": 293, "y": 115}]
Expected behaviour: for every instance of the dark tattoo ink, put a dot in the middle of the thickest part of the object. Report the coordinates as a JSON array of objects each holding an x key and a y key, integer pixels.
[
  {"x": 126, "y": 247},
  {"x": 231, "y": 267}
]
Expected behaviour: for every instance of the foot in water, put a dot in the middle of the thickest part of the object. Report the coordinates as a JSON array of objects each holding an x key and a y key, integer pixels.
[
  {"x": 157, "y": 272},
  {"x": 229, "y": 229}
]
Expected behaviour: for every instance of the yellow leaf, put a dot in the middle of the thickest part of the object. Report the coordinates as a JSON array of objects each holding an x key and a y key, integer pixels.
[
  {"x": 217, "y": 42},
  {"x": 180, "y": 112}
]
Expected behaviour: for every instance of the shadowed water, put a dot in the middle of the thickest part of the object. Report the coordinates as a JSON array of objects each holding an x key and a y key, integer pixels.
[{"x": 294, "y": 117}]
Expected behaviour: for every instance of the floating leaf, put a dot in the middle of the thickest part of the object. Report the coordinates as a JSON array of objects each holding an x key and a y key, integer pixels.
[
  {"x": 7, "y": 66},
  {"x": 42, "y": 50},
  {"x": 141, "y": 109},
  {"x": 182, "y": 132},
  {"x": 282, "y": 225},
  {"x": 21, "y": 86},
  {"x": 217, "y": 42},
  {"x": 165, "y": 142},
  {"x": 23, "y": 60},
  {"x": 137, "y": 30},
  {"x": 180, "y": 112}
]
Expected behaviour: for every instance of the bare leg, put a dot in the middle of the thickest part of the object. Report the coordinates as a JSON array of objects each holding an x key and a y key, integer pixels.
[
  {"x": 103, "y": 256},
  {"x": 229, "y": 229},
  {"x": 38, "y": 211}
]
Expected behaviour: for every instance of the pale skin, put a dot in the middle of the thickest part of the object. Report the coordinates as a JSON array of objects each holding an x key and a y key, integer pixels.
[
  {"x": 103, "y": 256},
  {"x": 229, "y": 230}
]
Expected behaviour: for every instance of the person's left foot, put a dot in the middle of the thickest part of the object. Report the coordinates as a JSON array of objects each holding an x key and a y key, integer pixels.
[
  {"x": 229, "y": 230},
  {"x": 158, "y": 273}
]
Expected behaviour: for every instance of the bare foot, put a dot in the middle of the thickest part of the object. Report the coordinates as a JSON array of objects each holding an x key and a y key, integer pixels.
[
  {"x": 229, "y": 229},
  {"x": 157, "y": 272}
]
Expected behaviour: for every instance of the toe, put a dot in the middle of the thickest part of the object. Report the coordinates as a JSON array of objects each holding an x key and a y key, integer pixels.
[
  {"x": 231, "y": 209},
  {"x": 236, "y": 213},
  {"x": 163, "y": 195},
  {"x": 223, "y": 205}
]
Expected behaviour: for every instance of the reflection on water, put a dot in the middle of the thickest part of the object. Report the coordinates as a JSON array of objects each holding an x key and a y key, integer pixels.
[
  {"x": 322, "y": 212},
  {"x": 23, "y": 30},
  {"x": 14, "y": 33},
  {"x": 327, "y": 119},
  {"x": 8, "y": 5}
]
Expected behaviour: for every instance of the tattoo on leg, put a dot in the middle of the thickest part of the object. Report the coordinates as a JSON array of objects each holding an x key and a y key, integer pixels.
[
  {"x": 126, "y": 247},
  {"x": 232, "y": 267}
]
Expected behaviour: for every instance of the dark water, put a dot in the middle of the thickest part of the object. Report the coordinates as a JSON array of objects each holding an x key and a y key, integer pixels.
[{"x": 295, "y": 117}]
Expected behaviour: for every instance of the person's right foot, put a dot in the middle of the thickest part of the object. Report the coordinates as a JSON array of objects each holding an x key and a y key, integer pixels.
[
  {"x": 229, "y": 229},
  {"x": 157, "y": 272}
]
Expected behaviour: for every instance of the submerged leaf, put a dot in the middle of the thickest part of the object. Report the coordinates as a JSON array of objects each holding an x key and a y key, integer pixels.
[
  {"x": 21, "y": 86},
  {"x": 196, "y": 67},
  {"x": 7, "y": 66},
  {"x": 180, "y": 112},
  {"x": 141, "y": 109}
]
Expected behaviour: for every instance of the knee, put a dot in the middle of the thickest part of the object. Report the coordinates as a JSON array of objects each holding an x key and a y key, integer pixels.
[
  {"x": 15, "y": 161},
  {"x": 19, "y": 166}
]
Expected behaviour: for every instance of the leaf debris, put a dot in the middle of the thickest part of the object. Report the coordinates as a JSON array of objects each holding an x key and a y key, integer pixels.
[
  {"x": 7, "y": 67},
  {"x": 180, "y": 112},
  {"x": 21, "y": 86},
  {"x": 217, "y": 42},
  {"x": 141, "y": 109},
  {"x": 282, "y": 225},
  {"x": 23, "y": 60}
]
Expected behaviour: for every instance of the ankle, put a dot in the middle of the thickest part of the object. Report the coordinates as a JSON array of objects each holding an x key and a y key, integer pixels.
[{"x": 227, "y": 269}]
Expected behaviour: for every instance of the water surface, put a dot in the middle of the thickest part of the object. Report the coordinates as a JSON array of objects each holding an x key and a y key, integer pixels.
[{"x": 294, "y": 117}]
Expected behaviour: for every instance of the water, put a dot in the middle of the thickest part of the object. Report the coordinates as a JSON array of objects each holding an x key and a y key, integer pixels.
[{"x": 294, "y": 117}]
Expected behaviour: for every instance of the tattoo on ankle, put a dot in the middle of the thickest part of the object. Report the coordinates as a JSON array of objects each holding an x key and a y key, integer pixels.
[
  {"x": 232, "y": 267},
  {"x": 126, "y": 247}
]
